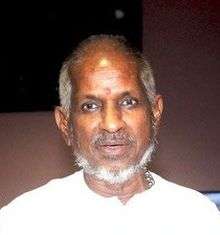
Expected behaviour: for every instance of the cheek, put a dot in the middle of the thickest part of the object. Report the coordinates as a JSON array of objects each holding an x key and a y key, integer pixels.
[
  {"x": 140, "y": 125},
  {"x": 84, "y": 128}
]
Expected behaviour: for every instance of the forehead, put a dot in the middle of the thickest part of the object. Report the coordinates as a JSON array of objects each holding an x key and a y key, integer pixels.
[{"x": 104, "y": 74}]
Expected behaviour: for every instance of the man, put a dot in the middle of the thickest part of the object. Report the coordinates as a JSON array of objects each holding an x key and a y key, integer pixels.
[{"x": 109, "y": 115}]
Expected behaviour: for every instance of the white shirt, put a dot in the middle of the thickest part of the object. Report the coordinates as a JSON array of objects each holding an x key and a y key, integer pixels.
[{"x": 67, "y": 206}]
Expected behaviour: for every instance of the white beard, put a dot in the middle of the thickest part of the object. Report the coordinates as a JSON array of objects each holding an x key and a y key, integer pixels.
[{"x": 115, "y": 177}]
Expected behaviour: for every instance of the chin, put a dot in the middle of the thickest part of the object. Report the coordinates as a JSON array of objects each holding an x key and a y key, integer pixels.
[{"x": 117, "y": 171}]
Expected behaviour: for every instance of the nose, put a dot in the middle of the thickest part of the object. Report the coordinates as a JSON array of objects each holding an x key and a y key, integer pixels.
[{"x": 112, "y": 120}]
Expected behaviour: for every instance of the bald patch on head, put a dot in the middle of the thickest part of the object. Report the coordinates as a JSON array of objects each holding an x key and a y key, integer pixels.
[{"x": 100, "y": 52}]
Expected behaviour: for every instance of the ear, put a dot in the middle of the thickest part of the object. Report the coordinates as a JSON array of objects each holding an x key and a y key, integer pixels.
[
  {"x": 62, "y": 119},
  {"x": 157, "y": 110}
]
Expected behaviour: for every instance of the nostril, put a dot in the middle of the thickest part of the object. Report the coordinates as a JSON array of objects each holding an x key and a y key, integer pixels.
[
  {"x": 111, "y": 127},
  {"x": 112, "y": 120}
]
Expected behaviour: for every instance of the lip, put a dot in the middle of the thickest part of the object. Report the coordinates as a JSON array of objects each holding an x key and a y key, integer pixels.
[{"x": 116, "y": 150}]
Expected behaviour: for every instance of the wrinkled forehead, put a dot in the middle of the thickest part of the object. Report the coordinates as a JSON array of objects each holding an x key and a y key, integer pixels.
[{"x": 104, "y": 61}]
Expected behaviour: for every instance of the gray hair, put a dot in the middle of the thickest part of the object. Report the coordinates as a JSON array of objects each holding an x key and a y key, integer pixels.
[{"x": 117, "y": 43}]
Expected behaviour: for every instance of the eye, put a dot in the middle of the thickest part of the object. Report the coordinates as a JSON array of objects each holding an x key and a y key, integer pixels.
[
  {"x": 129, "y": 102},
  {"x": 89, "y": 107}
]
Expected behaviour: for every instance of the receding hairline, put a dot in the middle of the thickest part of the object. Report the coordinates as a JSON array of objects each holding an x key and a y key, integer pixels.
[
  {"x": 103, "y": 44},
  {"x": 98, "y": 46}
]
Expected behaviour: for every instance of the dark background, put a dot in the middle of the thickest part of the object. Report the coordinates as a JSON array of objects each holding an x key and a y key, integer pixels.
[
  {"x": 181, "y": 40},
  {"x": 37, "y": 37}
]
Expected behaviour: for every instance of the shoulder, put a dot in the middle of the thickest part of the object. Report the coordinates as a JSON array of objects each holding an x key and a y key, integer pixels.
[
  {"x": 46, "y": 195},
  {"x": 188, "y": 200},
  {"x": 178, "y": 192},
  {"x": 38, "y": 210},
  {"x": 181, "y": 207}
]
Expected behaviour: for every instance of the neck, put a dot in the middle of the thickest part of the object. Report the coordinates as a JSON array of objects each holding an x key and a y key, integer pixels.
[{"x": 123, "y": 191}]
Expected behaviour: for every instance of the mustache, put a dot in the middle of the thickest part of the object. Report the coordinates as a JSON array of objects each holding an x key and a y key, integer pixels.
[{"x": 118, "y": 138}]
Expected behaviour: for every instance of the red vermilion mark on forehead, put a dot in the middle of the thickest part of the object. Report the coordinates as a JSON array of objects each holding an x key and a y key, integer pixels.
[{"x": 108, "y": 91}]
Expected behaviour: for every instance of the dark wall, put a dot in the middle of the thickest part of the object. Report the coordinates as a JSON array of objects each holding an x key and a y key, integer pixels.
[{"x": 182, "y": 40}]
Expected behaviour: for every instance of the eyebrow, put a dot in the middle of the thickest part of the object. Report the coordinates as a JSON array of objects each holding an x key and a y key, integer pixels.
[
  {"x": 93, "y": 97},
  {"x": 126, "y": 93},
  {"x": 88, "y": 97}
]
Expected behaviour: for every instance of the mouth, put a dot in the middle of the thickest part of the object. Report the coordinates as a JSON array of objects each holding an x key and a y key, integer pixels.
[{"x": 115, "y": 149}]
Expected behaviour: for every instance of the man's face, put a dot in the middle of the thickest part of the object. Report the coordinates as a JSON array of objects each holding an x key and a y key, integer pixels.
[{"x": 110, "y": 115}]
